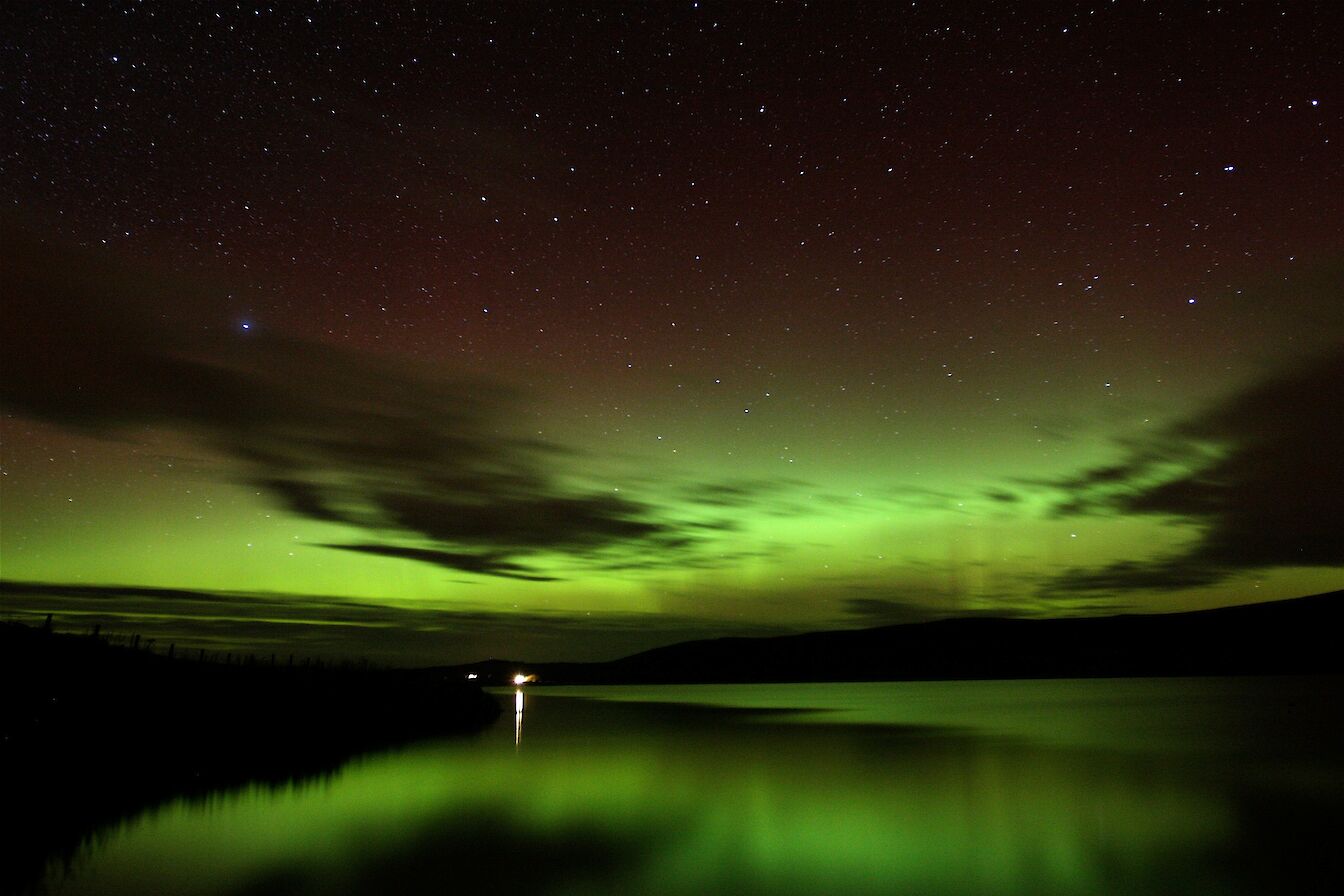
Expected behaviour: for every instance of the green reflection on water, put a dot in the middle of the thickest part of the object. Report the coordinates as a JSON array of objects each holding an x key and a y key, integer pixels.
[{"x": 994, "y": 787}]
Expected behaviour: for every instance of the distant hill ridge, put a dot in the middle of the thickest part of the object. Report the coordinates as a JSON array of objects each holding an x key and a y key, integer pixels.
[{"x": 1295, "y": 636}]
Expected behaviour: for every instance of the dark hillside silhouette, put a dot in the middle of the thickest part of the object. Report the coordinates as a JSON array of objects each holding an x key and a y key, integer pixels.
[{"x": 1296, "y": 636}]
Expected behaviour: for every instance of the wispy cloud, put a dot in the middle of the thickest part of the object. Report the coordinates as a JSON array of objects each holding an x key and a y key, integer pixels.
[
  {"x": 405, "y": 633},
  {"x": 1256, "y": 481},
  {"x": 427, "y": 467}
]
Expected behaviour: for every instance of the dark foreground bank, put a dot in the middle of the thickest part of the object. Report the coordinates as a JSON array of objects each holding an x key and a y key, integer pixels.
[{"x": 91, "y": 732}]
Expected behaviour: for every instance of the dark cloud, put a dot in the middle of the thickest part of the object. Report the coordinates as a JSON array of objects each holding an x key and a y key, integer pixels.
[
  {"x": 877, "y": 611},
  {"x": 1164, "y": 574},
  {"x": 532, "y": 520},
  {"x": 407, "y": 633},
  {"x": 483, "y": 564},
  {"x": 736, "y": 494},
  {"x": 870, "y": 611},
  {"x": 917, "y": 498},
  {"x": 399, "y": 452},
  {"x": 782, "y": 496},
  {"x": 1257, "y": 481}
]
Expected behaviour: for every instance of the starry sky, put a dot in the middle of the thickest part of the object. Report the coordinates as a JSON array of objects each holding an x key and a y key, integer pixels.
[{"x": 431, "y": 333}]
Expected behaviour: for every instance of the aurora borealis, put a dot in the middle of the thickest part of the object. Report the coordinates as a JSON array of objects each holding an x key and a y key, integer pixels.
[{"x": 431, "y": 335}]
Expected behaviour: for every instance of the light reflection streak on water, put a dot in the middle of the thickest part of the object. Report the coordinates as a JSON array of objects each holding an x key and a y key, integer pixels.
[{"x": 517, "y": 717}]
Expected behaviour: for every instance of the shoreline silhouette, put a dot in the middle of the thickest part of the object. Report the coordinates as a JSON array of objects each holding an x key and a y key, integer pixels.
[{"x": 91, "y": 732}]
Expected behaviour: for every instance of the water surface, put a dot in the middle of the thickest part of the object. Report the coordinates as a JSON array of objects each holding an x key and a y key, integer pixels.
[{"x": 1095, "y": 786}]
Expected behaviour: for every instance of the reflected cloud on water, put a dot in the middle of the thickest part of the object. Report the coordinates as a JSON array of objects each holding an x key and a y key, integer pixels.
[{"x": 630, "y": 797}]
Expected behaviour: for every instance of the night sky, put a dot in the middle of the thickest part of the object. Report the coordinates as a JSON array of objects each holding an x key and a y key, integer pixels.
[{"x": 443, "y": 332}]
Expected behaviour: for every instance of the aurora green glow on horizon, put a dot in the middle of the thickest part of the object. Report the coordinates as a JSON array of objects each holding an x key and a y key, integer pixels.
[{"x": 418, "y": 350}]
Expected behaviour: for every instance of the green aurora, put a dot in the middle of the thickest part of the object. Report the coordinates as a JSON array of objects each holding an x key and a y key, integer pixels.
[
  {"x": 422, "y": 346},
  {"x": 769, "y": 509}
]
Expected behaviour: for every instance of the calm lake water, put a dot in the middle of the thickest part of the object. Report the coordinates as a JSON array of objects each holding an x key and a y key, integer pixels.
[{"x": 1146, "y": 786}]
